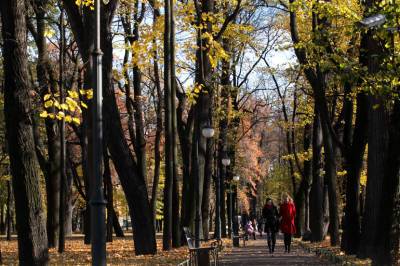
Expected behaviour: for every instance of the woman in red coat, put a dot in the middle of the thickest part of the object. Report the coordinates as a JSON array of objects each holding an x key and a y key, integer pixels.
[{"x": 287, "y": 212}]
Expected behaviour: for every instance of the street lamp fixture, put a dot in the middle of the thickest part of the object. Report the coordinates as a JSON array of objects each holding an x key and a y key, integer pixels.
[
  {"x": 208, "y": 132},
  {"x": 226, "y": 161},
  {"x": 375, "y": 20}
]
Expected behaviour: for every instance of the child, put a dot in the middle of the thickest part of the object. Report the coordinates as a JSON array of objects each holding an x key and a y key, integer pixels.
[{"x": 250, "y": 229}]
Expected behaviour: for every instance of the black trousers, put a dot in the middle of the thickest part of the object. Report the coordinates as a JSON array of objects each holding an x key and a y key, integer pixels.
[
  {"x": 271, "y": 239},
  {"x": 287, "y": 239}
]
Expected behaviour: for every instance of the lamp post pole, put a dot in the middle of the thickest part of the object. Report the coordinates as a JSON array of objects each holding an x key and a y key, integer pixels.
[
  {"x": 97, "y": 202},
  {"x": 218, "y": 207},
  {"x": 225, "y": 162},
  {"x": 234, "y": 180},
  {"x": 197, "y": 197},
  {"x": 61, "y": 238},
  {"x": 230, "y": 209}
]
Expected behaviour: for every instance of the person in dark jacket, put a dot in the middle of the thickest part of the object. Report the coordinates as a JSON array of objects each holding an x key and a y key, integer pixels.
[
  {"x": 271, "y": 223},
  {"x": 288, "y": 213}
]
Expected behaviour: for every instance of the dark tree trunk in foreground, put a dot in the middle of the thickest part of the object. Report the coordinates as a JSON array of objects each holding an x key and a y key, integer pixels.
[
  {"x": 9, "y": 212},
  {"x": 176, "y": 224},
  {"x": 169, "y": 164},
  {"x": 301, "y": 197},
  {"x": 108, "y": 189},
  {"x": 377, "y": 146},
  {"x": 158, "y": 99},
  {"x": 387, "y": 239},
  {"x": 318, "y": 79},
  {"x": 48, "y": 84},
  {"x": 354, "y": 162},
  {"x": 117, "y": 227},
  {"x": 132, "y": 182},
  {"x": 32, "y": 238},
  {"x": 317, "y": 187},
  {"x": 378, "y": 134},
  {"x": 380, "y": 225}
]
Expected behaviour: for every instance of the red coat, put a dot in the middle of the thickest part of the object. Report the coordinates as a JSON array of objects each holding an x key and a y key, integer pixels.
[{"x": 288, "y": 212}]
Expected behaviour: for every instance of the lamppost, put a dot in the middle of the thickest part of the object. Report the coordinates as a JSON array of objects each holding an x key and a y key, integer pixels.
[
  {"x": 97, "y": 201},
  {"x": 207, "y": 132},
  {"x": 63, "y": 185},
  {"x": 225, "y": 162},
  {"x": 235, "y": 179}
]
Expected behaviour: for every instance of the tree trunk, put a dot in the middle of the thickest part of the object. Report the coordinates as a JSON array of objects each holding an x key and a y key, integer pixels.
[
  {"x": 132, "y": 182},
  {"x": 140, "y": 140},
  {"x": 169, "y": 142},
  {"x": 32, "y": 238},
  {"x": 2, "y": 220},
  {"x": 377, "y": 149},
  {"x": 9, "y": 212},
  {"x": 377, "y": 145},
  {"x": 47, "y": 85},
  {"x": 317, "y": 188},
  {"x": 69, "y": 203},
  {"x": 330, "y": 154},
  {"x": 308, "y": 176},
  {"x": 176, "y": 229},
  {"x": 117, "y": 227},
  {"x": 108, "y": 188},
  {"x": 353, "y": 165},
  {"x": 387, "y": 240},
  {"x": 159, "y": 129},
  {"x": 301, "y": 197}
]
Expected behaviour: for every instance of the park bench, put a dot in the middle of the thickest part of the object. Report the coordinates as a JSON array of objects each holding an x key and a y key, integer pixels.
[{"x": 200, "y": 256}]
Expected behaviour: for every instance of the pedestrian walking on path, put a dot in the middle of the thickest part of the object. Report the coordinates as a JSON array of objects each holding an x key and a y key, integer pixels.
[
  {"x": 254, "y": 254},
  {"x": 287, "y": 212},
  {"x": 271, "y": 223}
]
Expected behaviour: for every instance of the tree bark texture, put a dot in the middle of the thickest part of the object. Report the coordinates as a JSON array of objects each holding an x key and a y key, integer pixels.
[
  {"x": 32, "y": 236},
  {"x": 317, "y": 187}
]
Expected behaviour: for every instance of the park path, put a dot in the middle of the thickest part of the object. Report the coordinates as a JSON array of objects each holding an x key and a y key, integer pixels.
[{"x": 255, "y": 253}]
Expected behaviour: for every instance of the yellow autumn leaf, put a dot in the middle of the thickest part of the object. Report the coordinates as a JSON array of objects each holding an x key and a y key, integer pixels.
[
  {"x": 46, "y": 97},
  {"x": 71, "y": 104},
  {"x": 89, "y": 94},
  {"x": 48, "y": 103},
  {"x": 68, "y": 119},
  {"x": 60, "y": 115},
  {"x": 57, "y": 104},
  {"x": 73, "y": 94},
  {"x": 48, "y": 32},
  {"x": 64, "y": 106},
  {"x": 44, "y": 114},
  {"x": 76, "y": 121}
]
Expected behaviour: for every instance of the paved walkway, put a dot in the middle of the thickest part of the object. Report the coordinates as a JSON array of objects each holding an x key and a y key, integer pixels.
[{"x": 256, "y": 254}]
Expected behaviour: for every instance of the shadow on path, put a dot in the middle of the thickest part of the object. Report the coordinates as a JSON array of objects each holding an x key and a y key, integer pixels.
[{"x": 256, "y": 253}]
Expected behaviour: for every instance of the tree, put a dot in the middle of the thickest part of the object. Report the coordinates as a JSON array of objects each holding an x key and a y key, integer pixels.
[
  {"x": 32, "y": 238},
  {"x": 133, "y": 183}
]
